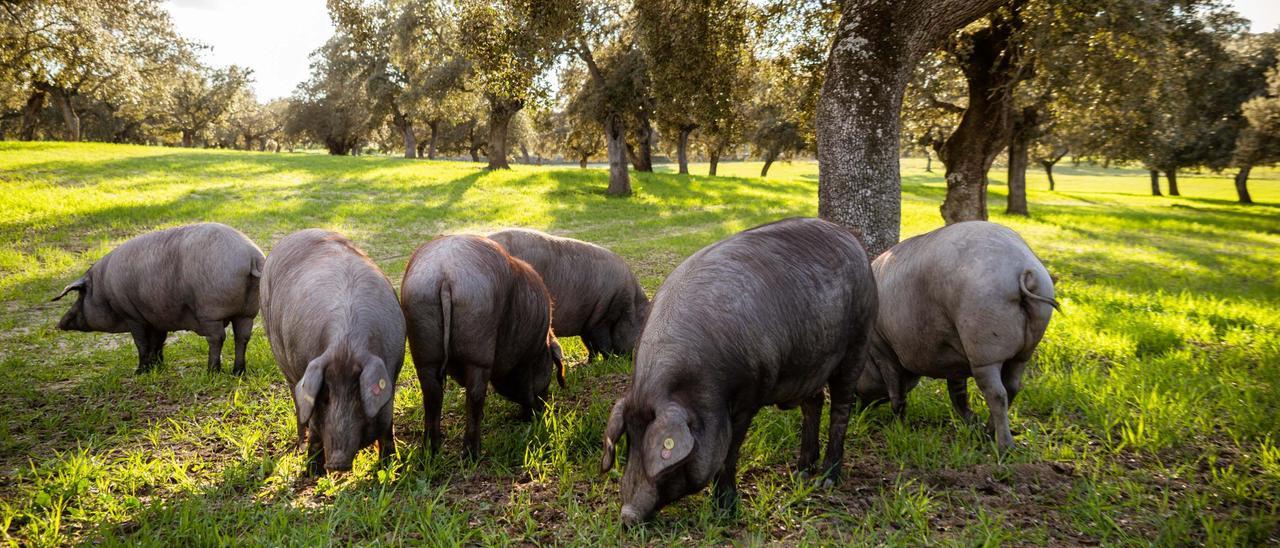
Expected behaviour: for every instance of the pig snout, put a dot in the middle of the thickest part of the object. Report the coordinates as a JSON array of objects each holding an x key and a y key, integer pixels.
[
  {"x": 338, "y": 462},
  {"x": 630, "y": 517}
]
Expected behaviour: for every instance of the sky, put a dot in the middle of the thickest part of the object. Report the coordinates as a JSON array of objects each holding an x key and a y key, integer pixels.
[{"x": 275, "y": 37}]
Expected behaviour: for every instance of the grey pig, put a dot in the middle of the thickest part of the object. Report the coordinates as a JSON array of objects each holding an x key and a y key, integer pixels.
[
  {"x": 337, "y": 333},
  {"x": 482, "y": 316},
  {"x": 966, "y": 300},
  {"x": 766, "y": 317},
  {"x": 190, "y": 278},
  {"x": 595, "y": 294}
]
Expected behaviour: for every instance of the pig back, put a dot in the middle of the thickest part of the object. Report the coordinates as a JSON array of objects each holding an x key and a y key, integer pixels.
[
  {"x": 319, "y": 290},
  {"x": 770, "y": 312},
  {"x": 176, "y": 278},
  {"x": 588, "y": 283},
  {"x": 952, "y": 296}
]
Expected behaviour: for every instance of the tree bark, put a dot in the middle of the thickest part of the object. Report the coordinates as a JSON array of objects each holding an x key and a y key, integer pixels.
[
  {"x": 1242, "y": 184},
  {"x": 769, "y": 157},
  {"x": 873, "y": 54},
  {"x": 434, "y": 125},
  {"x": 188, "y": 138},
  {"x": 928, "y": 163},
  {"x": 643, "y": 158},
  {"x": 422, "y": 147},
  {"x": 1048, "y": 172},
  {"x": 989, "y": 62},
  {"x": 582, "y": 163},
  {"x": 1024, "y": 125},
  {"x": 615, "y": 136},
  {"x": 31, "y": 115},
  {"x": 1172, "y": 175},
  {"x": 72, "y": 120},
  {"x": 500, "y": 113},
  {"x": 713, "y": 160},
  {"x": 682, "y": 148},
  {"x": 1155, "y": 183}
]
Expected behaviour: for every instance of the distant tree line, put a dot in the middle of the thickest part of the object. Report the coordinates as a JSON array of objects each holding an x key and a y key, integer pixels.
[{"x": 1167, "y": 84}]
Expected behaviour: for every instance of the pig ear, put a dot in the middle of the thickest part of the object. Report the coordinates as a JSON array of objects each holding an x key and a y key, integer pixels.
[
  {"x": 557, "y": 355},
  {"x": 668, "y": 441},
  {"x": 304, "y": 394},
  {"x": 375, "y": 386},
  {"x": 613, "y": 433},
  {"x": 77, "y": 285}
]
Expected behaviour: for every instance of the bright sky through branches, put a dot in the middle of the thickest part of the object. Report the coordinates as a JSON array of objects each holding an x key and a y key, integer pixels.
[{"x": 274, "y": 37}]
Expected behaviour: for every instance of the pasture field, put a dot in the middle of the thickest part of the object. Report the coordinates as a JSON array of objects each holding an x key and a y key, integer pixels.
[{"x": 1150, "y": 412}]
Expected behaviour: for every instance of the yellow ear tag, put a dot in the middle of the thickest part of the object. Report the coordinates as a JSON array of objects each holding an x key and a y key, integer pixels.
[
  {"x": 667, "y": 445},
  {"x": 382, "y": 383}
]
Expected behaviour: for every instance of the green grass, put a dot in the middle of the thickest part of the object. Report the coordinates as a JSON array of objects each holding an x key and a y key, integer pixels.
[{"x": 1149, "y": 415}]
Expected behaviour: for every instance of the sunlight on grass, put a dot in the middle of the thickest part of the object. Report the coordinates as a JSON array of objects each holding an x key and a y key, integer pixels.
[{"x": 1149, "y": 412}]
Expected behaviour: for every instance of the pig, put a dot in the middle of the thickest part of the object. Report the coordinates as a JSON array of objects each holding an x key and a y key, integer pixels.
[
  {"x": 482, "y": 316},
  {"x": 198, "y": 277},
  {"x": 336, "y": 330},
  {"x": 594, "y": 293},
  {"x": 966, "y": 300},
  {"x": 765, "y": 317}
]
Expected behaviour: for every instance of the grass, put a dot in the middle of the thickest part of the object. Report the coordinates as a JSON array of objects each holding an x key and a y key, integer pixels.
[{"x": 1149, "y": 415}]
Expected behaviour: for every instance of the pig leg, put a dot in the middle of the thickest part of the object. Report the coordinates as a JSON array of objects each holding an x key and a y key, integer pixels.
[
  {"x": 843, "y": 387},
  {"x": 958, "y": 389},
  {"x": 432, "y": 401},
  {"x": 215, "y": 337},
  {"x": 992, "y": 387},
  {"x": 811, "y": 408},
  {"x": 386, "y": 445},
  {"x": 726, "y": 480},
  {"x": 157, "y": 338},
  {"x": 242, "y": 329},
  {"x": 1011, "y": 376},
  {"x": 477, "y": 381},
  {"x": 142, "y": 340}
]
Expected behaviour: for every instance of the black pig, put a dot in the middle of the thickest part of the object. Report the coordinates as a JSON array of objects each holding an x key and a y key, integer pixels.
[
  {"x": 766, "y": 317},
  {"x": 595, "y": 294},
  {"x": 482, "y": 316},
  {"x": 190, "y": 278},
  {"x": 337, "y": 333}
]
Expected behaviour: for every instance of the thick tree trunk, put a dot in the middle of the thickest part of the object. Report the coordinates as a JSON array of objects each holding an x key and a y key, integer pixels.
[
  {"x": 434, "y": 125},
  {"x": 1172, "y": 175},
  {"x": 188, "y": 138},
  {"x": 500, "y": 113},
  {"x": 713, "y": 161},
  {"x": 990, "y": 68},
  {"x": 63, "y": 99},
  {"x": 643, "y": 158},
  {"x": 682, "y": 148},
  {"x": 1155, "y": 183},
  {"x": 1048, "y": 172},
  {"x": 873, "y": 55},
  {"x": 582, "y": 163},
  {"x": 1017, "y": 203},
  {"x": 1024, "y": 125},
  {"x": 31, "y": 115},
  {"x": 769, "y": 157},
  {"x": 615, "y": 136},
  {"x": 422, "y": 148},
  {"x": 1242, "y": 184}
]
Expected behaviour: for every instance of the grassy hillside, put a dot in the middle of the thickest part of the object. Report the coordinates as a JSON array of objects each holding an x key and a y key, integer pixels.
[{"x": 1149, "y": 413}]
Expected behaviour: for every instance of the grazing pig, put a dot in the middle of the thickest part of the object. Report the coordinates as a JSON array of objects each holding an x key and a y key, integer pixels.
[
  {"x": 482, "y": 316},
  {"x": 190, "y": 278},
  {"x": 966, "y": 300},
  {"x": 337, "y": 333},
  {"x": 766, "y": 317},
  {"x": 595, "y": 294}
]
